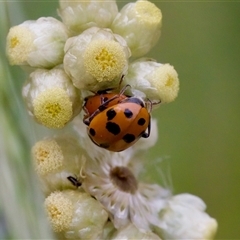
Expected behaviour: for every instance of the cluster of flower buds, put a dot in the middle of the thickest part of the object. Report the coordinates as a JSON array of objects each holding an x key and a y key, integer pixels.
[
  {"x": 90, "y": 50},
  {"x": 93, "y": 193}
]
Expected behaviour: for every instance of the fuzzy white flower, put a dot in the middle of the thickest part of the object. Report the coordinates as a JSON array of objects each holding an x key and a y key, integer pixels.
[
  {"x": 139, "y": 23},
  {"x": 51, "y": 98},
  {"x": 159, "y": 82},
  {"x": 126, "y": 200},
  {"x": 75, "y": 215},
  {"x": 96, "y": 58},
  {"x": 80, "y": 15},
  {"x": 185, "y": 218},
  {"x": 37, "y": 43},
  {"x": 55, "y": 160},
  {"x": 110, "y": 179}
]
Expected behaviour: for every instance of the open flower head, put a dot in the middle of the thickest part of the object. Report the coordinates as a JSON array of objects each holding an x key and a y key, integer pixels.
[
  {"x": 139, "y": 23},
  {"x": 96, "y": 59},
  {"x": 37, "y": 43},
  {"x": 75, "y": 214},
  {"x": 185, "y": 218},
  {"x": 110, "y": 180},
  {"x": 81, "y": 15},
  {"x": 55, "y": 159},
  {"x": 51, "y": 98},
  {"x": 159, "y": 82}
]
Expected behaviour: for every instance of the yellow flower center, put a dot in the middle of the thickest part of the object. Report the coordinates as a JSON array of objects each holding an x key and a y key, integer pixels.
[
  {"x": 14, "y": 42},
  {"x": 169, "y": 81},
  {"x": 104, "y": 60},
  {"x": 53, "y": 108},
  {"x": 19, "y": 44},
  {"x": 48, "y": 156},
  {"x": 60, "y": 211}
]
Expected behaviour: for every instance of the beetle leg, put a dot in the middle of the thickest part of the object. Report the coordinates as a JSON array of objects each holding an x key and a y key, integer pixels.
[
  {"x": 147, "y": 134},
  {"x": 102, "y": 107},
  {"x": 89, "y": 119},
  {"x": 86, "y": 121},
  {"x": 150, "y": 104},
  {"x": 124, "y": 89}
]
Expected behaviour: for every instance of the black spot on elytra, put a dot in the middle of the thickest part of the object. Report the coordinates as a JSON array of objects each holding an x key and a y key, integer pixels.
[
  {"x": 128, "y": 138},
  {"x": 92, "y": 132},
  {"x": 104, "y": 145},
  {"x": 141, "y": 121},
  {"x": 128, "y": 113},
  {"x": 113, "y": 128},
  {"x": 111, "y": 113}
]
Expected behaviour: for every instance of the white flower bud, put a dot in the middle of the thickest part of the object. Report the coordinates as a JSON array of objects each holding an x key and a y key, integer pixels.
[
  {"x": 75, "y": 214},
  {"x": 139, "y": 23},
  {"x": 37, "y": 43},
  {"x": 51, "y": 98},
  {"x": 96, "y": 59},
  {"x": 55, "y": 160},
  {"x": 130, "y": 232},
  {"x": 184, "y": 218},
  {"x": 158, "y": 81},
  {"x": 81, "y": 15}
]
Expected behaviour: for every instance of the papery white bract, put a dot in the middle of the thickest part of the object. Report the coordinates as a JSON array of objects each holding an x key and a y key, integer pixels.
[
  {"x": 139, "y": 23},
  {"x": 185, "y": 218},
  {"x": 79, "y": 15}
]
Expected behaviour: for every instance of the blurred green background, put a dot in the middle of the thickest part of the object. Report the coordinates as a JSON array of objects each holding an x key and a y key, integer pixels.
[{"x": 199, "y": 133}]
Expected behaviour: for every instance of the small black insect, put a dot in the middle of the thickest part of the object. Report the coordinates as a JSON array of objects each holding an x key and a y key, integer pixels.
[{"x": 75, "y": 182}]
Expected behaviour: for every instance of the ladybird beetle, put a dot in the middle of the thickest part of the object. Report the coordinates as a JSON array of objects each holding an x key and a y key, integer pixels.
[
  {"x": 119, "y": 126},
  {"x": 100, "y": 101}
]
